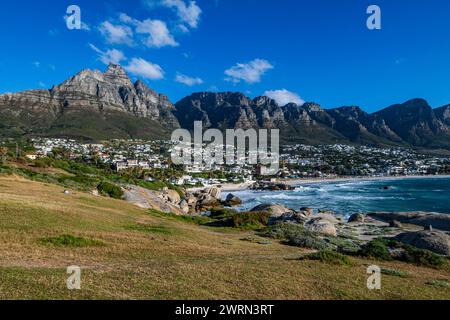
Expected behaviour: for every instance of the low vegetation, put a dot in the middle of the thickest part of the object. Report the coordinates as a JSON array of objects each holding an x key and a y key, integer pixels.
[
  {"x": 388, "y": 250},
  {"x": 328, "y": 256},
  {"x": 394, "y": 272},
  {"x": 161, "y": 256},
  {"x": 250, "y": 220},
  {"x": 296, "y": 235},
  {"x": 110, "y": 189},
  {"x": 67, "y": 240}
]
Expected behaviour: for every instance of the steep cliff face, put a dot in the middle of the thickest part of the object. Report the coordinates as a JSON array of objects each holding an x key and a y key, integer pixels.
[
  {"x": 416, "y": 123},
  {"x": 412, "y": 123},
  {"x": 443, "y": 114},
  {"x": 234, "y": 110},
  {"x": 117, "y": 105}
]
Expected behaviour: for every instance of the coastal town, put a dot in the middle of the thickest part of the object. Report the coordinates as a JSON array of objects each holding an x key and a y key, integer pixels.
[{"x": 296, "y": 161}]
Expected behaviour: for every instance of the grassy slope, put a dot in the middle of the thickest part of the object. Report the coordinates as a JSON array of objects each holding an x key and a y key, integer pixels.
[{"x": 167, "y": 260}]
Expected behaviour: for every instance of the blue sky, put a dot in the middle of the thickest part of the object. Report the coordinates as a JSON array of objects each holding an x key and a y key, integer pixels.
[{"x": 317, "y": 50}]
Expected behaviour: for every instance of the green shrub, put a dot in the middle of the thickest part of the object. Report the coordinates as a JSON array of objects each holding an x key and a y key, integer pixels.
[
  {"x": 421, "y": 257},
  {"x": 71, "y": 241},
  {"x": 220, "y": 213},
  {"x": 394, "y": 273},
  {"x": 296, "y": 235},
  {"x": 343, "y": 244},
  {"x": 328, "y": 256},
  {"x": 377, "y": 249},
  {"x": 250, "y": 220},
  {"x": 43, "y": 163},
  {"x": 110, "y": 189}
]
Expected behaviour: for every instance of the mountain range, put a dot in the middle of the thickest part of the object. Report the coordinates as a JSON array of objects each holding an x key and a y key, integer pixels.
[{"x": 96, "y": 106}]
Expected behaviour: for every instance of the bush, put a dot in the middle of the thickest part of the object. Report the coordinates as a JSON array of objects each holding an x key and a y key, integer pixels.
[
  {"x": 421, "y": 257},
  {"x": 328, "y": 256},
  {"x": 377, "y": 249},
  {"x": 110, "y": 189},
  {"x": 70, "y": 241},
  {"x": 250, "y": 220},
  {"x": 43, "y": 163},
  {"x": 220, "y": 213},
  {"x": 296, "y": 235},
  {"x": 394, "y": 273}
]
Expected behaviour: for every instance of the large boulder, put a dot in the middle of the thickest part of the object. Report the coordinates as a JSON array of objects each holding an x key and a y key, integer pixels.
[
  {"x": 184, "y": 206},
  {"x": 439, "y": 221},
  {"x": 322, "y": 226},
  {"x": 232, "y": 200},
  {"x": 207, "y": 202},
  {"x": 436, "y": 241},
  {"x": 357, "y": 217},
  {"x": 172, "y": 196},
  {"x": 307, "y": 211},
  {"x": 275, "y": 210},
  {"x": 214, "y": 192}
]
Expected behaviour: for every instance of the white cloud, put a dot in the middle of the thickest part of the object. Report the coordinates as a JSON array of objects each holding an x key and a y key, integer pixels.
[
  {"x": 159, "y": 34},
  {"x": 188, "y": 13},
  {"x": 283, "y": 97},
  {"x": 85, "y": 26},
  {"x": 109, "y": 56},
  {"x": 156, "y": 31},
  {"x": 189, "y": 81},
  {"x": 37, "y": 64},
  {"x": 250, "y": 72},
  {"x": 116, "y": 34},
  {"x": 142, "y": 68}
]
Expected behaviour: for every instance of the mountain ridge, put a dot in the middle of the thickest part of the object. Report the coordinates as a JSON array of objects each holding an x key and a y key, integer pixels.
[{"x": 94, "y": 105}]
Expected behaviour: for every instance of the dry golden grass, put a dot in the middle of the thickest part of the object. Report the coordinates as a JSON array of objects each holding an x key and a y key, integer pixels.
[{"x": 152, "y": 257}]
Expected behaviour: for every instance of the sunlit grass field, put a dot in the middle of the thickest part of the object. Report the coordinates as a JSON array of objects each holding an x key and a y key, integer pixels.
[{"x": 130, "y": 253}]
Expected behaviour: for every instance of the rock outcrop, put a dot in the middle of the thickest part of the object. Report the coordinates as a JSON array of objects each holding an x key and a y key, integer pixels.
[
  {"x": 92, "y": 105},
  {"x": 436, "y": 241},
  {"x": 425, "y": 219},
  {"x": 275, "y": 210}
]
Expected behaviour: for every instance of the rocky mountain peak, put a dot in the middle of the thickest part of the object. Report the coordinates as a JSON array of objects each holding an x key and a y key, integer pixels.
[{"x": 116, "y": 74}]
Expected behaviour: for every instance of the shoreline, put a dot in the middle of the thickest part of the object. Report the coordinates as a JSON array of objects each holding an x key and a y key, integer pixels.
[{"x": 230, "y": 187}]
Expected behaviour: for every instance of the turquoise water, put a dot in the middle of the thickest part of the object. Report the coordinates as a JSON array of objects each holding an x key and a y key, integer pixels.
[{"x": 348, "y": 197}]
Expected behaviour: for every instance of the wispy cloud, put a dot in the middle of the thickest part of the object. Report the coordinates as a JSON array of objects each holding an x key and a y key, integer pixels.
[
  {"x": 116, "y": 33},
  {"x": 142, "y": 68},
  {"x": 250, "y": 72},
  {"x": 283, "y": 97},
  {"x": 109, "y": 56},
  {"x": 84, "y": 25},
  {"x": 188, "y": 12},
  {"x": 186, "y": 80},
  {"x": 157, "y": 34}
]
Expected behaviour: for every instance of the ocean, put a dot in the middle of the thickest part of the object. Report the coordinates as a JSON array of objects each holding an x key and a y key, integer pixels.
[{"x": 361, "y": 196}]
